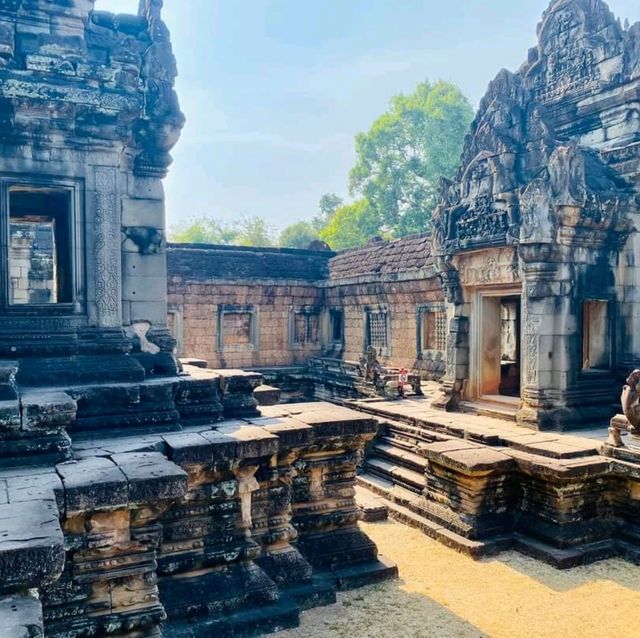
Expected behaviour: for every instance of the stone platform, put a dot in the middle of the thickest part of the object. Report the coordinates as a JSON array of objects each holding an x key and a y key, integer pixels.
[
  {"x": 483, "y": 485},
  {"x": 231, "y": 527}
]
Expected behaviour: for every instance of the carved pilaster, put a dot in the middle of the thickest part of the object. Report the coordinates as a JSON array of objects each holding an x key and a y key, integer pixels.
[{"x": 108, "y": 280}]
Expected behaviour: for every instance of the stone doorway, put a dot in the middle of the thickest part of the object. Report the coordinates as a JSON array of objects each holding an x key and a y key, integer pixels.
[{"x": 498, "y": 339}]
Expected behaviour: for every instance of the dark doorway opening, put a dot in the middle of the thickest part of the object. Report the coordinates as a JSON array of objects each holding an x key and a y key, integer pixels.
[{"x": 510, "y": 346}]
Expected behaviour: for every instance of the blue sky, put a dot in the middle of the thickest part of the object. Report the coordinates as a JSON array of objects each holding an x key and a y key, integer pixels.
[{"x": 275, "y": 90}]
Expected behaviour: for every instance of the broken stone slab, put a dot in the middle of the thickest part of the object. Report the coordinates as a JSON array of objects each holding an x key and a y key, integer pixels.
[
  {"x": 93, "y": 484},
  {"x": 238, "y": 381},
  {"x": 290, "y": 432},
  {"x": 267, "y": 395},
  {"x": 31, "y": 544},
  {"x": 479, "y": 459},
  {"x": 191, "y": 448},
  {"x": 21, "y": 616},
  {"x": 196, "y": 363},
  {"x": 151, "y": 477},
  {"x": 338, "y": 422},
  {"x": 251, "y": 442},
  {"x": 47, "y": 410}
]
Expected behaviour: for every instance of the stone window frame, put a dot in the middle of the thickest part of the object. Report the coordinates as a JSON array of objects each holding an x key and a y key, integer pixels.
[
  {"x": 377, "y": 310},
  {"x": 254, "y": 339},
  {"x": 177, "y": 310},
  {"x": 76, "y": 188},
  {"x": 611, "y": 326},
  {"x": 307, "y": 311},
  {"x": 422, "y": 310}
]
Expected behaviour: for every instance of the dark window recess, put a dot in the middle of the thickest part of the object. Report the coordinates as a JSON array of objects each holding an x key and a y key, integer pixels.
[
  {"x": 337, "y": 326},
  {"x": 40, "y": 247}
]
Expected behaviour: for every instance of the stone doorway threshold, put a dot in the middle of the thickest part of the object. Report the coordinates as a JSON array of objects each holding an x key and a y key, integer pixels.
[{"x": 493, "y": 405}]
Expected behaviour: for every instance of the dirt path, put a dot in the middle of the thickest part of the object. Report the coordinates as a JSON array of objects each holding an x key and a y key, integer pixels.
[{"x": 443, "y": 594}]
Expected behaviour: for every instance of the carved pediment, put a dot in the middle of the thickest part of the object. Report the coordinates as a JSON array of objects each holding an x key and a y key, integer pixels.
[{"x": 580, "y": 49}]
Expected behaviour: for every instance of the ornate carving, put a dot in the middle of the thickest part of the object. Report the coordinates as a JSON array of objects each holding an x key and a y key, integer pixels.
[
  {"x": 531, "y": 338},
  {"x": 107, "y": 248}
]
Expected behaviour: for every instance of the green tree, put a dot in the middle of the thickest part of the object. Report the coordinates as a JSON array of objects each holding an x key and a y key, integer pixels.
[
  {"x": 401, "y": 158},
  {"x": 351, "y": 225},
  {"x": 329, "y": 204},
  {"x": 254, "y": 231},
  {"x": 203, "y": 230},
  {"x": 247, "y": 231},
  {"x": 298, "y": 235}
]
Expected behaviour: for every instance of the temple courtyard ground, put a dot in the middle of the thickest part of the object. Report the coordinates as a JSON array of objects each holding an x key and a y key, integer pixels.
[{"x": 444, "y": 594}]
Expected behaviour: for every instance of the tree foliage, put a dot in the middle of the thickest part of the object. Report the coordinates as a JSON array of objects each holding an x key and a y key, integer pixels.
[
  {"x": 351, "y": 225},
  {"x": 298, "y": 235},
  {"x": 401, "y": 158},
  {"x": 329, "y": 204},
  {"x": 247, "y": 231}
]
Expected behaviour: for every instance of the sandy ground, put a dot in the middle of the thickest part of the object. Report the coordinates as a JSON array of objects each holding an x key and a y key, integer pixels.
[{"x": 444, "y": 594}]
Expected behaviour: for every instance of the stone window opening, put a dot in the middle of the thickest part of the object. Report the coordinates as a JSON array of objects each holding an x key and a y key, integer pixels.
[
  {"x": 596, "y": 335},
  {"x": 336, "y": 318},
  {"x": 41, "y": 247},
  {"x": 432, "y": 330},
  {"x": 237, "y": 329},
  {"x": 305, "y": 327},
  {"x": 377, "y": 330}
]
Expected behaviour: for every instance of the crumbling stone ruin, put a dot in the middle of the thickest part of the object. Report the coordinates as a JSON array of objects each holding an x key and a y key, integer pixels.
[
  {"x": 137, "y": 498},
  {"x": 145, "y": 496}
]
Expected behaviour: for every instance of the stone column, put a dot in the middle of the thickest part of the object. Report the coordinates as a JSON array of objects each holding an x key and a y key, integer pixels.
[
  {"x": 549, "y": 330},
  {"x": 457, "y": 370}
]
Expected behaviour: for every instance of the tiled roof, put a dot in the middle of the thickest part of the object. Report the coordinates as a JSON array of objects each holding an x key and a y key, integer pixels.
[
  {"x": 202, "y": 262},
  {"x": 383, "y": 257}
]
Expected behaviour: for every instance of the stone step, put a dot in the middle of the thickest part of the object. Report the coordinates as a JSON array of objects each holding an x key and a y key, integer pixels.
[
  {"x": 416, "y": 503},
  {"x": 473, "y": 548},
  {"x": 253, "y": 621},
  {"x": 404, "y": 506},
  {"x": 417, "y": 426},
  {"x": 495, "y": 410},
  {"x": 403, "y": 457},
  {"x": 410, "y": 479}
]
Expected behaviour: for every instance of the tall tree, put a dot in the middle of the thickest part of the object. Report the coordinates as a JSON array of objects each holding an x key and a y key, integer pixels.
[
  {"x": 351, "y": 225},
  {"x": 401, "y": 158},
  {"x": 298, "y": 235}
]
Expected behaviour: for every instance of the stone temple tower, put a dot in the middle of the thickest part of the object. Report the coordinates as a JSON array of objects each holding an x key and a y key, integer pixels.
[{"x": 88, "y": 115}]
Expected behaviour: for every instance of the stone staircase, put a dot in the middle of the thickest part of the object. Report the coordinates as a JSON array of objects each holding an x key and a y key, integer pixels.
[{"x": 483, "y": 486}]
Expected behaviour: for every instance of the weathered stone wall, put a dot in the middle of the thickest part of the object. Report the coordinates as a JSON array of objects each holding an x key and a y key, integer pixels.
[
  {"x": 396, "y": 279},
  {"x": 238, "y": 307},
  {"x": 254, "y": 307},
  {"x": 88, "y": 109}
]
